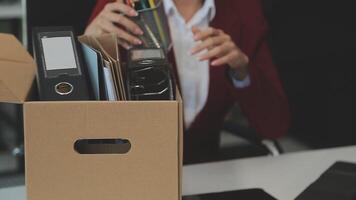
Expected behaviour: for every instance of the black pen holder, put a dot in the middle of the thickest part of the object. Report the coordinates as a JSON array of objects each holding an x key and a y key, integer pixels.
[{"x": 154, "y": 23}]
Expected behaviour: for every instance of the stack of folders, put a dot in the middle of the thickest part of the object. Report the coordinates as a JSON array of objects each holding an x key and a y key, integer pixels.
[
  {"x": 146, "y": 75},
  {"x": 104, "y": 67},
  {"x": 90, "y": 68}
]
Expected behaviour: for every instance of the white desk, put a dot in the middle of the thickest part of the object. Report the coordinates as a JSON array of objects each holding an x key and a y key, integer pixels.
[{"x": 284, "y": 177}]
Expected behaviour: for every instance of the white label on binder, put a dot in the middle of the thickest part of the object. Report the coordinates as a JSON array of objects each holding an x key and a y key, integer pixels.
[{"x": 58, "y": 53}]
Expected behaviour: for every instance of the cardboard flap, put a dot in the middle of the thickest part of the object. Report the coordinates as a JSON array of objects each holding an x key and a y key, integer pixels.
[
  {"x": 17, "y": 70},
  {"x": 6, "y": 95},
  {"x": 12, "y": 50}
]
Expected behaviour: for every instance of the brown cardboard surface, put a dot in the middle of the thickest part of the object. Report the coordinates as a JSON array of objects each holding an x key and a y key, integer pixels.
[
  {"x": 12, "y": 50},
  {"x": 109, "y": 47},
  {"x": 180, "y": 141},
  {"x": 5, "y": 93},
  {"x": 151, "y": 170},
  {"x": 17, "y": 78},
  {"x": 56, "y": 171},
  {"x": 17, "y": 70}
]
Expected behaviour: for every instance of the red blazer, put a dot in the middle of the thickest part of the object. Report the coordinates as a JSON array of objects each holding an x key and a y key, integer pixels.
[{"x": 263, "y": 102}]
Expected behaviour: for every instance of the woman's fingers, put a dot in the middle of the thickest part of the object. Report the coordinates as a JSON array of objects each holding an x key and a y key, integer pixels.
[
  {"x": 203, "y": 35},
  {"x": 111, "y": 16},
  {"x": 220, "y": 48},
  {"x": 120, "y": 8},
  {"x": 124, "y": 44},
  {"x": 109, "y": 27},
  {"x": 223, "y": 60},
  {"x": 217, "y": 52},
  {"x": 195, "y": 30},
  {"x": 124, "y": 21},
  {"x": 209, "y": 43}
]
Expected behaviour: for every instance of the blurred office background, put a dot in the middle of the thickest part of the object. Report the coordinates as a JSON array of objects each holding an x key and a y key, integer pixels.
[
  {"x": 313, "y": 47},
  {"x": 12, "y": 20}
]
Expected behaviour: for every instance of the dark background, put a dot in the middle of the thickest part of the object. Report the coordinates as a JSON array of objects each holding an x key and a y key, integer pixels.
[
  {"x": 313, "y": 47},
  {"x": 58, "y": 13}
]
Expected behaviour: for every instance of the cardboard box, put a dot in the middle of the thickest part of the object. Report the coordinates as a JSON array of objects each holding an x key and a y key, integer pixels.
[{"x": 151, "y": 170}]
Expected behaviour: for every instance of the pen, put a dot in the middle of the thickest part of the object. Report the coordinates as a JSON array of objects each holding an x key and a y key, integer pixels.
[
  {"x": 151, "y": 34},
  {"x": 158, "y": 22}
]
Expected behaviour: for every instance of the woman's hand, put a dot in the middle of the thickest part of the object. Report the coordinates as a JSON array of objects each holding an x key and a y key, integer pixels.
[
  {"x": 112, "y": 19},
  {"x": 220, "y": 49}
]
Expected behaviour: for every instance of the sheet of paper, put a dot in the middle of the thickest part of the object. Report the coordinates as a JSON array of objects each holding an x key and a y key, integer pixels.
[{"x": 109, "y": 83}]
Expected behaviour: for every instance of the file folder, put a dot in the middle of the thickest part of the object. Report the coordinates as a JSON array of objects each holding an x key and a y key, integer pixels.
[
  {"x": 109, "y": 46},
  {"x": 61, "y": 73},
  {"x": 94, "y": 63},
  {"x": 106, "y": 47}
]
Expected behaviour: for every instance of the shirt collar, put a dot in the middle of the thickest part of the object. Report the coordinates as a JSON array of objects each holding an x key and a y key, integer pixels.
[{"x": 208, "y": 8}]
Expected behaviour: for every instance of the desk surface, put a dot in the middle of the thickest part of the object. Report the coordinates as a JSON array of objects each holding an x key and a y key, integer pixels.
[{"x": 284, "y": 177}]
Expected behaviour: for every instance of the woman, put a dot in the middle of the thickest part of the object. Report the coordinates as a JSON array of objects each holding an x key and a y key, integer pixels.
[{"x": 221, "y": 58}]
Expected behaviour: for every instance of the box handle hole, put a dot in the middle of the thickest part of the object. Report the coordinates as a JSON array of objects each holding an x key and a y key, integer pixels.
[{"x": 102, "y": 146}]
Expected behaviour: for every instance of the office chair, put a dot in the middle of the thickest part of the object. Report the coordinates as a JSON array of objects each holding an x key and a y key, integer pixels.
[
  {"x": 270, "y": 147},
  {"x": 236, "y": 125}
]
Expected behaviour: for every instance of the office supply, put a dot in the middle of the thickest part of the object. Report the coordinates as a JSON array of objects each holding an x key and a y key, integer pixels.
[
  {"x": 110, "y": 79},
  {"x": 112, "y": 73},
  {"x": 158, "y": 22},
  {"x": 338, "y": 182},
  {"x": 61, "y": 73},
  {"x": 110, "y": 85},
  {"x": 108, "y": 45},
  {"x": 100, "y": 72},
  {"x": 144, "y": 4},
  {"x": 154, "y": 24},
  {"x": 148, "y": 38},
  {"x": 253, "y": 194},
  {"x": 149, "y": 75},
  {"x": 94, "y": 62},
  {"x": 148, "y": 24}
]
